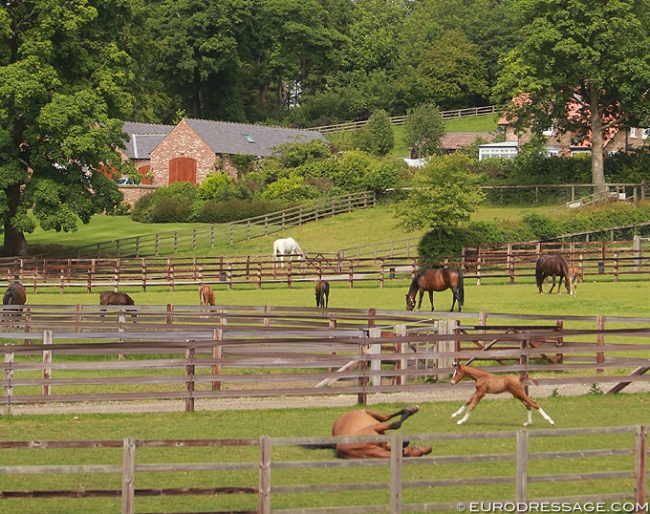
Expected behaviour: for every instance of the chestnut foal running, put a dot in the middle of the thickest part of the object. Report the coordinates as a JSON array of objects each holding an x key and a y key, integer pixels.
[{"x": 494, "y": 384}]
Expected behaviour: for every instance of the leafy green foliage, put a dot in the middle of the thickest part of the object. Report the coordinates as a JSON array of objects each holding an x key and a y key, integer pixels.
[
  {"x": 444, "y": 194},
  {"x": 377, "y": 136},
  {"x": 423, "y": 130}
]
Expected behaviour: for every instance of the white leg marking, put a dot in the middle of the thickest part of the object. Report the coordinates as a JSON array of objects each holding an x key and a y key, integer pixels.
[
  {"x": 465, "y": 418},
  {"x": 458, "y": 412},
  {"x": 530, "y": 419},
  {"x": 546, "y": 416}
]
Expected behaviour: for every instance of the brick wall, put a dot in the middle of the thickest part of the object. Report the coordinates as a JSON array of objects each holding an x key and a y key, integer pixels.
[{"x": 183, "y": 141}]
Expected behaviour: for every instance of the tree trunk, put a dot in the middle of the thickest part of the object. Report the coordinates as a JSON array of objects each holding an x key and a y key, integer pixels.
[
  {"x": 597, "y": 147},
  {"x": 280, "y": 96},
  {"x": 15, "y": 243}
]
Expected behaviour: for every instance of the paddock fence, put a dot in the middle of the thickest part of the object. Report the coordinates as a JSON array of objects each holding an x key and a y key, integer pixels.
[
  {"x": 170, "y": 243},
  {"x": 265, "y": 480},
  {"x": 192, "y": 354},
  {"x": 601, "y": 260}
]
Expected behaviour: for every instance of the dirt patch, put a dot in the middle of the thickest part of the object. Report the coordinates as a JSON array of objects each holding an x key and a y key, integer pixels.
[{"x": 304, "y": 402}]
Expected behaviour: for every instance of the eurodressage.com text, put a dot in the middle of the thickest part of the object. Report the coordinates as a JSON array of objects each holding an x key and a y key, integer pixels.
[{"x": 532, "y": 506}]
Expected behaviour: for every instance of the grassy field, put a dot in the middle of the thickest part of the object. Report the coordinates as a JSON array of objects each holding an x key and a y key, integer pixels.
[
  {"x": 357, "y": 228},
  {"x": 433, "y": 418}
]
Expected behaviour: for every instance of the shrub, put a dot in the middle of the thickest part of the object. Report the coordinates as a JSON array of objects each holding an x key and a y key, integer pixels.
[
  {"x": 235, "y": 210},
  {"x": 542, "y": 227}
]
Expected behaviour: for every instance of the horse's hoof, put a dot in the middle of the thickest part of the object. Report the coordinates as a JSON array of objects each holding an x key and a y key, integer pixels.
[
  {"x": 412, "y": 409},
  {"x": 460, "y": 422}
]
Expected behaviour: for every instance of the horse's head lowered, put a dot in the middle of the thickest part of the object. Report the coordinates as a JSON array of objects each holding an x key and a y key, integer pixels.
[{"x": 410, "y": 302}]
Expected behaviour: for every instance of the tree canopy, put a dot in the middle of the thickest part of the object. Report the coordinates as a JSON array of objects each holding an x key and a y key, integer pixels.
[
  {"x": 584, "y": 66},
  {"x": 64, "y": 72}
]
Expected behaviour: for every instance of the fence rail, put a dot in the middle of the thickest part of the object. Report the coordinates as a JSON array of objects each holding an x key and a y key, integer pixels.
[
  {"x": 624, "y": 482},
  {"x": 189, "y": 354},
  {"x": 516, "y": 262},
  {"x": 400, "y": 120},
  {"x": 166, "y": 243}
]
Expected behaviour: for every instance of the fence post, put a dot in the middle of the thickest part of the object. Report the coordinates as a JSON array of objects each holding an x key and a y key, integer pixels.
[
  {"x": 47, "y": 359},
  {"x": 600, "y": 356},
  {"x": 289, "y": 269},
  {"x": 128, "y": 476},
  {"x": 445, "y": 327},
  {"x": 401, "y": 364},
  {"x": 511, "y": 264},
  {"x": 259, "y": 275},
  {"x": 375, "y": 349},
  {"x": 264, "y": 494},
  {"x": 640, "y": 457},
  {"x": 637, "y": 253},
  {"x": 521, "y": 474},
  {"x": 217, "y": 353},
  {"x": 144, "y": 274},
  {"x": 189, "y": 383},
  {"x": 396, "y": 461},
  {"x": 615, "y": 266},
  {"x": 351, "y": 275},
  {"x": 478, "y": 270},
  {"x": 8, "y": 389}
]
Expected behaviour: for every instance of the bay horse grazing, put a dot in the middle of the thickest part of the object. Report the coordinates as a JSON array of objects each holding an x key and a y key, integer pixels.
[
  {"x": 15, "y": 295},
  {"x": 322, "y": 293},
  {"x": 206, "y": 295},
  {"x": 437, "y": 279},
  {"x": 365, "y": 422},
  {"x": 494, "y": 384},
  {"x": 113, "y": 298},
  {"x": 288, "y": 246},
  {"x": 576, "y": 276},
  {"x": 552, "y": 266}
]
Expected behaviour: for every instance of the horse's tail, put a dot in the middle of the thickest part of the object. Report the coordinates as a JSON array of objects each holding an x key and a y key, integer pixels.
[
  {"x": 8, "y": 298},
  {"x": 461, "y": 289},
  {"x": 539, "y": 274}
]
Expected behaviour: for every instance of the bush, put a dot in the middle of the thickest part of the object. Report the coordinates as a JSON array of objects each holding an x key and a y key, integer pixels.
[{"x": 235, "y": 210}]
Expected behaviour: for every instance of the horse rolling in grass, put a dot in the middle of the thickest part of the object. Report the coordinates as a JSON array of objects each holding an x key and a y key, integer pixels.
[
  {"x": 206, "y": 295},
  {"x": 114, "y": 298},
  {"x": 288, "y": 246},
  {"x": 494, "y": 384},
  {"x": 437, "y": 279},
  {"x": 366, "y": 422},
  {"x": 552, "y": 266},
  {"x": 322, "y": 293}
]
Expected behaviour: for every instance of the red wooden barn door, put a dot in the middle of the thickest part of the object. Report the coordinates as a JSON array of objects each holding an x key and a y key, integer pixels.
[{"x": 182, "y": 169}]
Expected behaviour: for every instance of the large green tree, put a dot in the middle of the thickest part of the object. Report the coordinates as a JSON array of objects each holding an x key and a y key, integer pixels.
[
  {"x": 584, "y": 65},
  {"x": 63, "y": 72}
]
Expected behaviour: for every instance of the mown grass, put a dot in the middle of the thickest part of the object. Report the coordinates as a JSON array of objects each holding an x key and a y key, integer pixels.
[{"x": 490, "y": 416}]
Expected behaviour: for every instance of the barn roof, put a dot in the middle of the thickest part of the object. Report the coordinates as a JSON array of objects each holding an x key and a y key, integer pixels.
[
  {"x": 456, "y": 140},
  {"x": 243, "y": 139},
  {"x": 142, "y": 138}
]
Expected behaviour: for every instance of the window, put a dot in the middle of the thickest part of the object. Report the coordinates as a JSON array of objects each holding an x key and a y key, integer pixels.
[
  {"x": 548, "y": 132},
  {"x": 633, "y": 132},
  {"x": 248, "y": 138},
  {"x": 497, "y": 151}
]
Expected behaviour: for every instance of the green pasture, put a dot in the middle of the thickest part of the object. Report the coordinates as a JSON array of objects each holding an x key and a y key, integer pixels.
[
  {"x": 357, "y": 228},
  {"x": 495, "y": 415}
]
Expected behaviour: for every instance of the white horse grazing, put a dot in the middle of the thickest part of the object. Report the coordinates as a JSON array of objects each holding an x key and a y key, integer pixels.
[{"x": 288, "y": 246}]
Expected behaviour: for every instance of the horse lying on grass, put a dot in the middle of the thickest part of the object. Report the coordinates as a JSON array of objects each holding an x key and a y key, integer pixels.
[
  {"x": 365, "y": 422},
  {"x": 113, "y": 298},
  {"x": 494, "y": 384},
  {"x": 206, "y": 295}
]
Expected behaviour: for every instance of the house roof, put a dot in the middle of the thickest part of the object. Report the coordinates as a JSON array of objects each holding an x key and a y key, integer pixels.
[
  {"x": 143, "y": 138},
  {"x": 457, "y": 140},
  {"x": 242, "y": 139}
]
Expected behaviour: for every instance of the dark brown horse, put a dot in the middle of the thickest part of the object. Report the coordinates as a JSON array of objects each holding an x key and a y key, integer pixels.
[
  {"x": 322, "y": 293},
  {"x": 15, "y": 295},
  {"x": 365, "y": 422},
  {"x": 552, "y": 266},
  {"x": 113, "y": 298},
  {"x": 437, "y": 279}
]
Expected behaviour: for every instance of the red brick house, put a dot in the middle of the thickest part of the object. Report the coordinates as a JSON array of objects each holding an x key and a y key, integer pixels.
[{"x": 563, "y": 145}]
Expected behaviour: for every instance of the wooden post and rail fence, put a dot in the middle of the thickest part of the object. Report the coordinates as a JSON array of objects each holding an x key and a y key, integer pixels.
[
  {"x": 598, "y": 259},
  {"x": 192, "y": 354},
  {"x": 267, "y": 487}
]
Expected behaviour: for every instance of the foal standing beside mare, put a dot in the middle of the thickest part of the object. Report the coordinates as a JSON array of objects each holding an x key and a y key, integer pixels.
[
  {"x": 437, "y": 279},
  {"x": 494, "y": 384},
  {"x": 552, "y": 266},
  {"x": 322, "y": 293}
]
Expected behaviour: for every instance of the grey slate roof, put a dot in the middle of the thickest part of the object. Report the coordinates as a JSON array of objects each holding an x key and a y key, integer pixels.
[
  {"x": 242, "y": 139},
  {"x": 143, "y": 138}
]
